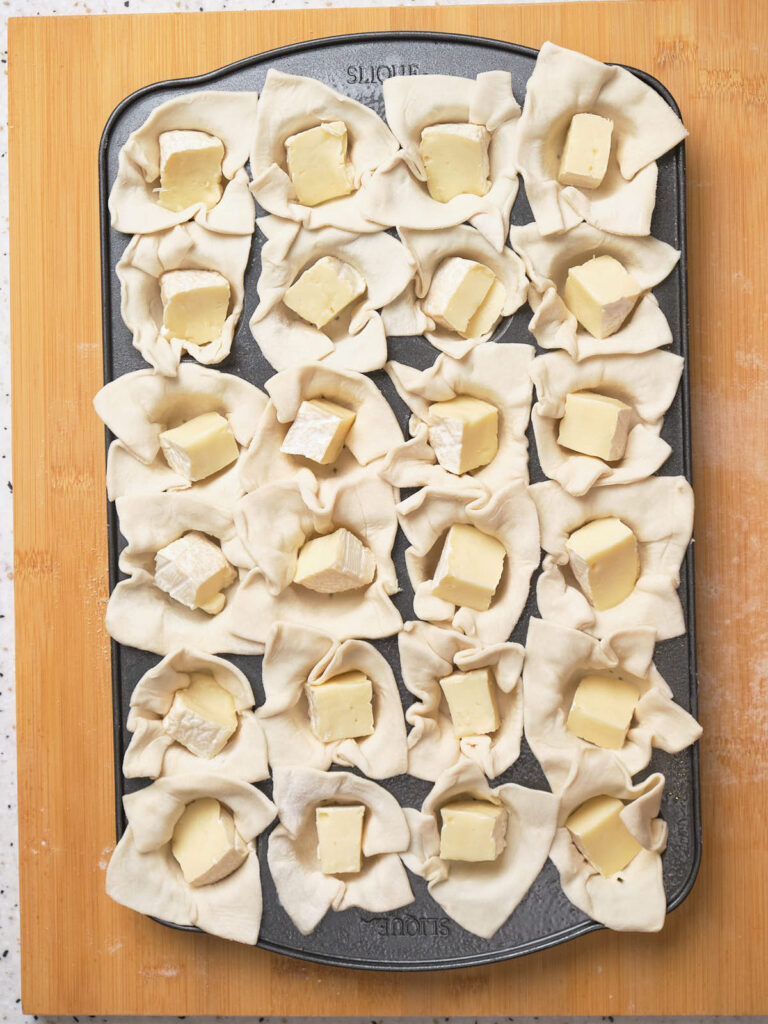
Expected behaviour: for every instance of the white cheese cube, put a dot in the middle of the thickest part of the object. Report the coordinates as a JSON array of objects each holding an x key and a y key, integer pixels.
[
  {"x": 323, "y": 291},
  {"x": 317, "y": 163},
  {"x": 595, "y": 425},
  {"x": 470, "y": 567},
  {"x": 586, "y": 151},
  {"x": 202, "y": 716},
  {"x": 602, "y": 710},
  {"x": 193, "y": 571},
  {"x": 471, "y": 698},
  {"x": 206, "y": 843},
  {"x": 473, "y": 830},
  {"x": 195, "y": 304},
  {"x": 340, "y": 838},
  {"x": 319, "y": 431},
  {"x": 601, "y": 835},
  {"x": 335, "y": 562},
  {"x": 190, "y": 169},
  {"x": 601, "y": 294},
  {"x": 604, "y": 559},
  {"x": 200, "y": 447},
  {"x": 341, "y": 708},
  {"x": 464, "y": 433},
  {"x": 455, "y": 158},
  {"x": 457, "y": 292}
]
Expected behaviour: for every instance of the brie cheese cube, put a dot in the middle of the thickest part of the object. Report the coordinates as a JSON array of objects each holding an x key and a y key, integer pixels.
[
  {"x": 323, "y": 291},
  {"x": 340, "y": 838},
  {"x": 601, "y": 294},
  {"x": 604, "y": 559},
  {"x": 601, "y": 836},
  {"x": 471, "y": 698},
  {"x": 464, "y": 433},
  {"x": 595, "y": 425},
  {"x": 335, "y": 562},
  {"x": 206, "y": 843},
  {"x": 202, "y": 716},
  {"x": 458, "y": 290},
  {"x": 190, "y": 169},
  {"x": 342, "y": 707},
  {"x": 602, "y": 710},
  {"x": 488, "y": 313},
  {"x": 193, "y": 571},
  {"x": 319, "y": 431},
  {"x": 455, "y": 158},
  {"x": 470, "y": 567},
  {"x": 317, "y": 163},
  {"x": 195, "y": 304},
  {"x": 586, "y": 151},
  {"x": 200, "y": 447},
  {"x": 473, "y": 830}
]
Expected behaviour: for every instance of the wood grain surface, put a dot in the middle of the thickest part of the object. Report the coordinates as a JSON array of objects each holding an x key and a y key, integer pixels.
[{"x": 81, "y": 953}]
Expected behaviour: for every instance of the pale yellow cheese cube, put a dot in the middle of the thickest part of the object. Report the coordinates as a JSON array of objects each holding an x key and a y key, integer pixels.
[
  {"x": 341, "y": 708},
  {"x": 602, "y": 710},
  {"x": 455, "y": 158},
  {"x": 317, "y": 163},
  {"x": 340, "y": 838},
  {"x": 604, "y": 559},
  {"x": 193, "y": 571},
  {"x": 489, "y": 311},
  {"x": 601, "y": 835},
  {"x": 472, "y": 830},
  {"x": 464, "y": 433},
  {"x": 195, "y": 304},
  {"x": 200, "y": 447},
  {"x": 190, "y": 169},
  {"x": 470, "y": 567},
  {"x": 324, "y": 290},
  {"x": 206, "y": 842},
  {"x": 596, "y": 425},
  {"x": 202, "y": 716},
  {"x": 471, "y": 698},
  {"x": 458, "y": 289},
  {"x": 335, "y": 562},
  {"x": 319, "y": 431},
  {"x": 601, "y": 294},
  {"x": 586, "y": 151}
]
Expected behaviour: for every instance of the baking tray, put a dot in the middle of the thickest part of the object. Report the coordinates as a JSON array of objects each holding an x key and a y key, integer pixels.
[{"x": 420, "y": 936}]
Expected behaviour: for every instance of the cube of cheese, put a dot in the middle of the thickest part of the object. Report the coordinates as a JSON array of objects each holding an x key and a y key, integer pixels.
[
  {"x": 319, "y": 431},
  {"x": 193, "y": 571},
  {"x": 601, "y": 835},
  {"x": 317, "y": 163},
  {"x": 340, "y": 838},
  {"x": 470, "y": 567},
  {"x": 595, "y": 425},
  {"x": 489, "y": 311},
  {"x": 604, "y": 559},
  {"x": 458, "y": 290},
  {"x": 195, "y": 304},
  {"x": 190, "y": 169},
  {"x": 335, "y": 562},
  {"x": 206, "y": 842},
  {"x": 586, "y": 151},
  {"x": 202, "y": 716},
  {"x": 601, "y": 294},
  {"x": 323, "y": 291},
  {"x": 464, "y": 433},
  {"x": 341, "y": 708},
  {"x": 471, "y": 698},
  {"x": 602, "y": 710},
  {"x": 473, "y": 830},
  {"x": 200, "y": 447},
  {"x": 455, "y": 158}
]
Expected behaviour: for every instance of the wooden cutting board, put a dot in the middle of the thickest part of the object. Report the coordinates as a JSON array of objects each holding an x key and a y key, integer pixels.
[{"x": 83, "y": 954}]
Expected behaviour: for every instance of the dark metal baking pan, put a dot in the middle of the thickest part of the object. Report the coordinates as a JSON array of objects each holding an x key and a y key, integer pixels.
[{"x": 420, "y": 936}]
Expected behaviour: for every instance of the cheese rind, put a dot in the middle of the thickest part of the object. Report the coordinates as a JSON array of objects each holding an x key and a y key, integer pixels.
[
  {"x": 464, "y": 433},
  {"x": 202, "y": 716},
  {"x": 206, "y": 843},
  {"x": 340, "y": 838},
  {"x": 324, "y": 290},
  {"x": 470, "y": 567},
  {"x": 596, "y": 425},
  {"x": 601, "y": 835},
  {"x": 586, "y": 151},
  {"x": 458, "y": 289},
  {"x": 455, "y": 158},
  {"x": 341, "y": 708},
  {"x": 601, "y": 294},
  {"x": 602, "y": 710},
  {"x": 335, "y": 562},
  {"x": 200, "y": 447},
  {"x": 319, "y": 431},
  {"x": 471, "y": 698},
  {"x": 604, "y": 559},
  {"x": 193, "y": 570},
  {"x": 317, "y": 163},
  {"x": 190, "y": 169},
  {"x": 195, "y": 304},
  {"x": 472, "y": 830}
]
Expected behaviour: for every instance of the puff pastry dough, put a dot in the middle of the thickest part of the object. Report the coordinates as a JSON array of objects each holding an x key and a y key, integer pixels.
[{"x": 305, "y": 893}]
